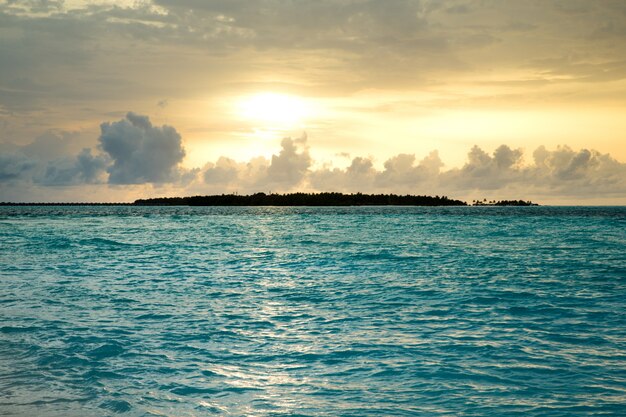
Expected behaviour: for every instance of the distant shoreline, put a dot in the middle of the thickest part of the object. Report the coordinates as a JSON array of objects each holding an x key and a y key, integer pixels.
[{"x": 294, "y": 200}]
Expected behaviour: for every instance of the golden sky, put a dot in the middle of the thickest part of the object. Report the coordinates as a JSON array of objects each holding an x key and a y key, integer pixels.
[{"x": 407, "y": 96}]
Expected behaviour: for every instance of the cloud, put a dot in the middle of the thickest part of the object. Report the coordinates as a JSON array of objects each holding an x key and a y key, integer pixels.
[
  {"x": 48, "y": 161},
  {"x": 560, "y": 173},
  {"x": 140, "y": 152},
  {"x": 584, "y": 172},
  {"x": 15, "y": 166},
  {"x": 289, "y": 166},
  {"x": 400, "y": 173},
  {"x": 402, "y": 170},
  {"x": 359, "y": 175},
  {"x": 49, "y": 145},
  {"x": 68, "y": 63},
  {"x": 134, "y": 152},
  {"x": 486, "y": 172},
  {"x": 282, "y": 172},
  {"x": 224, "y": 171},
  {"x": 104, "y": 51},
  {"x": 83, "y": 169}
]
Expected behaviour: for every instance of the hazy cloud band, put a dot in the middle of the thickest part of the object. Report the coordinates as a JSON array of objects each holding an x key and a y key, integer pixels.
[{"x": 132, "y": 151}]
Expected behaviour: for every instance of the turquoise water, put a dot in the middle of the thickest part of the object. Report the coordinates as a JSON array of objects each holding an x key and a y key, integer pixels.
[{"x": 379, "y": 311}]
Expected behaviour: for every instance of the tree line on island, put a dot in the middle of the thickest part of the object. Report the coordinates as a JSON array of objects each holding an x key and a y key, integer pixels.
[
  {"x": 303, "y": 199},
  {"x": 484, "y": 202},
  {"x": 295, "y": 199},
  {"x": 316, "y": 199}
]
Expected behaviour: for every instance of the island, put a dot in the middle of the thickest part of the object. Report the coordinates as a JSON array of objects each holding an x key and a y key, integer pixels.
[
  {"x": 518, "y": 203},
  {"x": 293, "y": 199},
  {"x": 303, "y": 199}
]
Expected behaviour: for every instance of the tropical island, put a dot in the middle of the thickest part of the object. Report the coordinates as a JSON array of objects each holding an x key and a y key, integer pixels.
[
  {"x": 518, "y": 203},
  {"x": 295, "y": 199},
  {"x": 303, "y": 199}
]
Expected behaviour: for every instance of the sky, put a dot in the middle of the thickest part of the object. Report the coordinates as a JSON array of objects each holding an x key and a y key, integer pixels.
[{"x": 500, "y": 99}]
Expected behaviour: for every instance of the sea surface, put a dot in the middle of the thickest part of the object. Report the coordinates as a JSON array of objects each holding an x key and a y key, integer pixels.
[{"x": 355, "y": 311}]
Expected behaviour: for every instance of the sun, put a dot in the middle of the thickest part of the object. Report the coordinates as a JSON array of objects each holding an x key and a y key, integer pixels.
[{"x": 274, "y": 110}]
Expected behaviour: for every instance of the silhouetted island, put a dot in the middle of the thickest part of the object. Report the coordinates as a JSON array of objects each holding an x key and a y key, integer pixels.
[
  {"x": 295, "y": 199},
  {"x": 71, "y": 203},
  {"x": 503, "y": 203},
  {"x": 303, "y": 199}
]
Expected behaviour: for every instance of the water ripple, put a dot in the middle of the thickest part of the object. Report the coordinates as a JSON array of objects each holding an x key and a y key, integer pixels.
[{"x": 369, "y": 311}]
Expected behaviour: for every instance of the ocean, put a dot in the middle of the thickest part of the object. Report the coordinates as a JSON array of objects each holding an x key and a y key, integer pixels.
[{"x": 307, "y": 311}]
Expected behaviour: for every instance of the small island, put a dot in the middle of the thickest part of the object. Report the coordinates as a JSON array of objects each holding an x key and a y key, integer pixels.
[
  {"x": 518, "y": 203},
  {"x": 303, "y": 199}
]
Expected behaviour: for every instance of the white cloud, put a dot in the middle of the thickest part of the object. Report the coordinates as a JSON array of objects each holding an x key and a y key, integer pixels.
[
  {"x": 284, "y": 171},
  {"x": 289, "y": 167},
  {"x": 583, "y": 172},
  {"x": 562, "y": 172}
]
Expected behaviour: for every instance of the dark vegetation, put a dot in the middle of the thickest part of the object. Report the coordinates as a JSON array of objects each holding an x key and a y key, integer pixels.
[
  {"x": 296, "y": 199},
  {"x": 503, "y": 203},
  {"x": 5, "y": 203},
  {"x": 303, "y": 199}
]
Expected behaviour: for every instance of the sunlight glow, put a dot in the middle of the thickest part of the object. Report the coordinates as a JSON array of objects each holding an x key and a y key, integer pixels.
[{"x": 274, "y": 110}]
